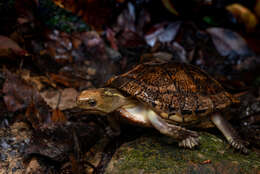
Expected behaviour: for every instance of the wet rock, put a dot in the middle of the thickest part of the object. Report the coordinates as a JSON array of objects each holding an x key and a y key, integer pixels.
[{"x": 151, "y": 154}]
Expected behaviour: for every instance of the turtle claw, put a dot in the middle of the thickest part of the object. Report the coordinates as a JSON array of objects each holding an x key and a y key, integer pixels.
[
  {"x": 189, "y": 142},
  {"x": 239, "y": 145}
]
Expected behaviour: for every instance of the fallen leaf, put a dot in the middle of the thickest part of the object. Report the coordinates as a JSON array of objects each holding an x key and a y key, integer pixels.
[
  {"x": 58, "y": 116},
  {"x": 126, "y": 20},
  {"x": 57, "y": 141},
  {"x": 57, "y": 78},
  {"x": 33, "y": 116},
  {"x": 74, "y": 164},
  {"x": 67, "y": 98},
  {"x": 110, "y": 35},
  {"x": 130, "y": 39},
  {"x": 162, "y": 33},
  {"x": 229, "y": 43},
  {"x": 243, "y": 15},
  {"x": 19, "y": 95},
  {"x": 179, "y": 52},
  {"x": 39, "y": 82},
  {"x": 94, "y": 44},
  {"x": 8, "y": 46},
  {"x": 95, "y": 13}
]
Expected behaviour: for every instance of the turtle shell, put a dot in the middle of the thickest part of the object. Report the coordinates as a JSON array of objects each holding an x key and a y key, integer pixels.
[{"x": 178, "y": 92}]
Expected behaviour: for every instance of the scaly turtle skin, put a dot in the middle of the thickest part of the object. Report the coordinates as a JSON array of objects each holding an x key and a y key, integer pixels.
[{"x": 168, "y": 97}]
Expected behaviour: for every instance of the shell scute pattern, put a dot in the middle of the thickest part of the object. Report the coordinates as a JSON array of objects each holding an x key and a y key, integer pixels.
[{"x": 175, "y": 89}]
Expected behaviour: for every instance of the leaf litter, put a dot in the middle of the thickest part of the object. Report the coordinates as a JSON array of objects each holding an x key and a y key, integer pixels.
[{"x": 55, "y": 51}]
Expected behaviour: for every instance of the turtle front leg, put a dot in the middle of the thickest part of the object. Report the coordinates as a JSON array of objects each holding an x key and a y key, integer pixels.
[
  {"x": 186, "y": 138},
  {"x": 113, "y": 130},
  {"x": 229, "y": 132}
]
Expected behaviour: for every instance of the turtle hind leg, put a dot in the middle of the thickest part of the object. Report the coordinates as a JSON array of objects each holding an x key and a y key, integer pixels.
[
  {"x": 186, "y": 138},
  {"x": 229, "y": 132}
]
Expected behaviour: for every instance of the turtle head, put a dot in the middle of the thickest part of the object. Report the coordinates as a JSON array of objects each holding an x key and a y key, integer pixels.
[{"x": 101, "y": 101}]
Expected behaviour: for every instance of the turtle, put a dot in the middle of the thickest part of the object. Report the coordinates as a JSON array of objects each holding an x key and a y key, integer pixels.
[{"x": 171, "y": 97}]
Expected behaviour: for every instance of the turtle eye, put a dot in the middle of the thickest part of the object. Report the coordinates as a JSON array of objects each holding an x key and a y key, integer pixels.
[{"x": 92, "y": 102}]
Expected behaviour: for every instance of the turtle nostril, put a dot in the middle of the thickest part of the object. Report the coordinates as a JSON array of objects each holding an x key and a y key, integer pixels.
[{"x": 78, "y": 102}]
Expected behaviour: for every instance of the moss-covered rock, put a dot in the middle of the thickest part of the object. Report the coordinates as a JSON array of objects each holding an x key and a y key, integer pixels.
[{"x": 152, "y": 154}]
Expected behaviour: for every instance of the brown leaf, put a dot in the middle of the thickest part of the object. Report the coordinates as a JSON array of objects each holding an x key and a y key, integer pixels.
[
  {"x": 37, "y": 81},
  {"x": 19, "y": 95},
  {"x": 67, "y": 98},
  {"x": 74, "y": 165},
  {"x": 8, "y": 46},
  {"x": 94, "y": 44},
  {"x": 60, "y": 79},
  {"x": 126, "y": 21},
  {"x": 58, "y": 116},
  {"x": 93, "y": 12},
  {"x": 111, "y": 38},
  {"x": 32, "y": 115},
  {"x": 130, "y": 39}
]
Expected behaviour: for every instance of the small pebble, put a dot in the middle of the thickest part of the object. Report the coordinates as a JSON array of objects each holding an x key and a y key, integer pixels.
[
  {"x": 3, "y": 157},
  {"x": 4, "y": 145}
]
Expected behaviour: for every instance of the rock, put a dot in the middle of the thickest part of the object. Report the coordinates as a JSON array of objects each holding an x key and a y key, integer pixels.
[{"x": 152, "y": 154}]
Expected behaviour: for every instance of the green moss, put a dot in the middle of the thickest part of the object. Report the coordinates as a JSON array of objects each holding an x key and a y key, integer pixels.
[
  {"x": 60, "y": 19},
  {"x": 150, "y": 154}
]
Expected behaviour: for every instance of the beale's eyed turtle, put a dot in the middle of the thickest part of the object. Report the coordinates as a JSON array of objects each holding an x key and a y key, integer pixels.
[{"x": 169, "y": 97}]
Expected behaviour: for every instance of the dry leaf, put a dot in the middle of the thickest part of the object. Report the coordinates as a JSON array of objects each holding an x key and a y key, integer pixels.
[
  {"x": 38, "y": 81},
  {"x": 58, "y": 116},
  {"x": 130, "y": 39},
  {"x": 67, "y": 98},
  {"x": 19, "y": 95},
  {"x": 60, "y": 79},
  {"x": 110, "y": 35},
  {"x": 228, "y": 42},
  {"x": 162, "y": 33},
  {"x": 32, "y": 115},
  {"x": 244, "y": 15},
  {"x": 93, "y": 12},
  {"x": 8, "y": 46}
]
